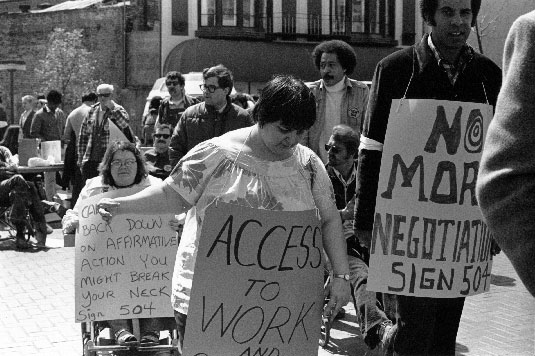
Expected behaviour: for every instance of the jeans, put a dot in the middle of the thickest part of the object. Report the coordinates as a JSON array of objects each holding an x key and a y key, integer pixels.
[
  {"x": 21, "y": 195},
  {"x": 427, "y": 326},
  {"x": 89, "y": 170},
  {"x": 366, "y": 303},
  {"x": 181, "y": 328}
]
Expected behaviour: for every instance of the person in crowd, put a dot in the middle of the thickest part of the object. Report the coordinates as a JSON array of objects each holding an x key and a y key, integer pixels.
[
  {"x": 243, "y": 100},
  {"x": 506, "y": 180},
  {"x": 122, "y": 166},
  {"x": 21, "y": 196},
  {"x": 158, "y": 157},
  {"x": 149, "y": 120},
  {"x": 213, "y": 117},
  {"x": 339, "y": 100},
  {"x": 441, "y": 66},
  {"x": 240, "y": 167},
  {"x": 3, "y": 119},
  {"x": 95, "y": 131},
  {"x": 48, "y": 123},
  {"x": 26, "y": 118},
  {"x": 70, "y": 137},
  {"x": 342, "y": 150},
  {"x": 41, "y": 102},
  {"x": 172, "y": 107}
]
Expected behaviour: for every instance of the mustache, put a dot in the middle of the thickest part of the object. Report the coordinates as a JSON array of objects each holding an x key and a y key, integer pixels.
[
  {"x": 161, "y": 141},
  {"x": 327, "y": 76}
]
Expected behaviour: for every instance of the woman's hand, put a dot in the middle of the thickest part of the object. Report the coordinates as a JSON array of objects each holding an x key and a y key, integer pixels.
[
  {"x": 339, "y": 296},
  {"x": 107, "y": 208},
  {"x": 177, "y": 223}
]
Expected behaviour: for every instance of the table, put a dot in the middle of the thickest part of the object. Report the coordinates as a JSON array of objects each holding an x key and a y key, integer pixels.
[
  {"x": 49, "y": 176},
  {"x": 56, "y": 167}
]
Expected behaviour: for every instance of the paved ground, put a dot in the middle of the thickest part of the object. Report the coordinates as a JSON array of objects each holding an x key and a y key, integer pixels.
[{"x": 37, "y": 309}]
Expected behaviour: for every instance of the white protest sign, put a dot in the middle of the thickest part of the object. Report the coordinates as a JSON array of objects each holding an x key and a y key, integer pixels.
[
  {"x": 124, "y": 269},
  {"x": 429, "y": 239},
  {"x": 258, "y": 284}
]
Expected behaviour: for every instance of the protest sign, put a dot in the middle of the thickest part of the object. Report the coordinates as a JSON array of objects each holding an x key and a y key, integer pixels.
[
  {"x": 258, "y": 284},
  {"x": 429, "y": 239},
  {"x": 123, "y": 269}
]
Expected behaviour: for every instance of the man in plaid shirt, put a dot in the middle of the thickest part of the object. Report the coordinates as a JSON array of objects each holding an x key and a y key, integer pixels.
[{"x": 95, "y": 132}]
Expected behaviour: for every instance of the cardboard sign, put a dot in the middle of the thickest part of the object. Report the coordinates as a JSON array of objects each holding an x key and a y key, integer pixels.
[
  {"x": 124, "y": 269},
  {"x": 429, "y": 239},
  {"x": 258, "y": 284}
]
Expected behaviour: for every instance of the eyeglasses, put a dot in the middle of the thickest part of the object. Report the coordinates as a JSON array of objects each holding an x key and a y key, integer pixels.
[
  {"x": 166, "y": 136},
  {"x": 118, "y": 163},
  {"x": 172, "y": 83},
  {"x": 209, "y": 88},
  {"x": 332, "y": 148},
  {"x": 105, "y": 95}
]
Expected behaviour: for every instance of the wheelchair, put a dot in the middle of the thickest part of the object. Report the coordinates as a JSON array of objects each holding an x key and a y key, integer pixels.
[
  {"x": 7, "y": 226},
  {"x": 97, "y": 340}
]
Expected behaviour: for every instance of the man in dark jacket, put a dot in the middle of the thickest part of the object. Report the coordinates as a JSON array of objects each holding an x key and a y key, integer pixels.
[
  {"x": 213, "y": 117},
  {"x": 443, "y": 67},
  {"x": 170, "y": 109}
]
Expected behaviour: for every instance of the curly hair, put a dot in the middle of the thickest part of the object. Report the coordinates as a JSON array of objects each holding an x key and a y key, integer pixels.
[
  {"x": 429, "y": 7},
  {"x": 287, "y": 99},
  {"x": 345, "y": 53},
  {"x": 105, "y": 165}
]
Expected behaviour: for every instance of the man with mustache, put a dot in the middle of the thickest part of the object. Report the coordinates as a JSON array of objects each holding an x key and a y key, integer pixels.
[
  {"x": 339, "y": 100},
  {"x": 158, "y": 157},
  {"x": 171, "y": 108}
]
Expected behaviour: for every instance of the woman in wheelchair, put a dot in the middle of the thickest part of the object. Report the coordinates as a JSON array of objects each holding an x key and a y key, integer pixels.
[
  {"x": 123, "y": 166},
  {"x": 21, "y": 197}
]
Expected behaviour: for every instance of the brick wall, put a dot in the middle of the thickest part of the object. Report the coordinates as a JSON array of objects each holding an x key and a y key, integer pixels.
[{"x": 24, "y": 37}]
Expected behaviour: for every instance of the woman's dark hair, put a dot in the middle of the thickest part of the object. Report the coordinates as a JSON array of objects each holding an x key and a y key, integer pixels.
[
  {"x": 105, "y": 165},
  {"x": 344, "y": 52},
  {"x": 155, "y": 102},
  {"x": 429, "y": 7},
  {"x": 347, "y": 136},
  {"x": 287, "y": 99}
]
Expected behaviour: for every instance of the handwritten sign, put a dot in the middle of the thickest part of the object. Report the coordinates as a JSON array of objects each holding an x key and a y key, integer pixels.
[
  {"x": 258, "y": 284},
  {"x": 429, "y": 239},
  {"x": 124, "y": 269}
]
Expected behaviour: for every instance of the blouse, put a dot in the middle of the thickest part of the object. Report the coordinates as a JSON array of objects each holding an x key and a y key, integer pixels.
[{"x": 216, "y": 169}]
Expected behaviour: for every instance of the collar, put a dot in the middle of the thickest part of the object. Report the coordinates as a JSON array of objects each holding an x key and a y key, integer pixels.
[
  {"x": 47, "y": 109},
  {"x": 351, "y": 178},
  {"x": 467, "y": 53},
  {"x": 344, "y": 83},
  {"x": 223, "y": 110}
]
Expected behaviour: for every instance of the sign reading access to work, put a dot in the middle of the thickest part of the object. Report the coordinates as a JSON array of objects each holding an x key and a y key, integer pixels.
[
  {"x": 123, "y": 269},
  {"x": 258, "y": 284},
  {"x": 429, "y": 239}
]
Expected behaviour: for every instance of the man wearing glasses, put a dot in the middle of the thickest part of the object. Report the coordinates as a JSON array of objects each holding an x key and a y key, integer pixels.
[
  {"x": 172, "y": 108},
  {"x": 95, "y": 131},
  {"x": 211, "y": 118},
  {"x": 158, "y": 157}
]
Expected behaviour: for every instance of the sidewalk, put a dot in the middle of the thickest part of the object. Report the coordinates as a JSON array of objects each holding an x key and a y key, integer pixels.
[{"x": 37, "y": 310}]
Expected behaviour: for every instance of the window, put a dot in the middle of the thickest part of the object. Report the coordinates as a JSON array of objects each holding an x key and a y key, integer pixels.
[
  {"x": 233, "y": 13},
  {"x": 179, "y": 17},
  {"x": 369, "y": 17},
  {"x": 229, "y": 12}
]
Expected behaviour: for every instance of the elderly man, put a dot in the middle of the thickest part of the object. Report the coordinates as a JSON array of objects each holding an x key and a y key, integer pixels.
[
  {"x": 213, "y": 117},
  {"x": 171, "y": 108},
  {"x": 339, "y": 100},
  {"x": 26, "y": 118},
  {"x": 158, "y": 157},
  {"x": 95, "y": 131}
]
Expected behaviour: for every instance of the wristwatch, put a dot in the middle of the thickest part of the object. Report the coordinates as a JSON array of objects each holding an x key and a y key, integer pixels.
[{"x": 343, "y": 276}]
